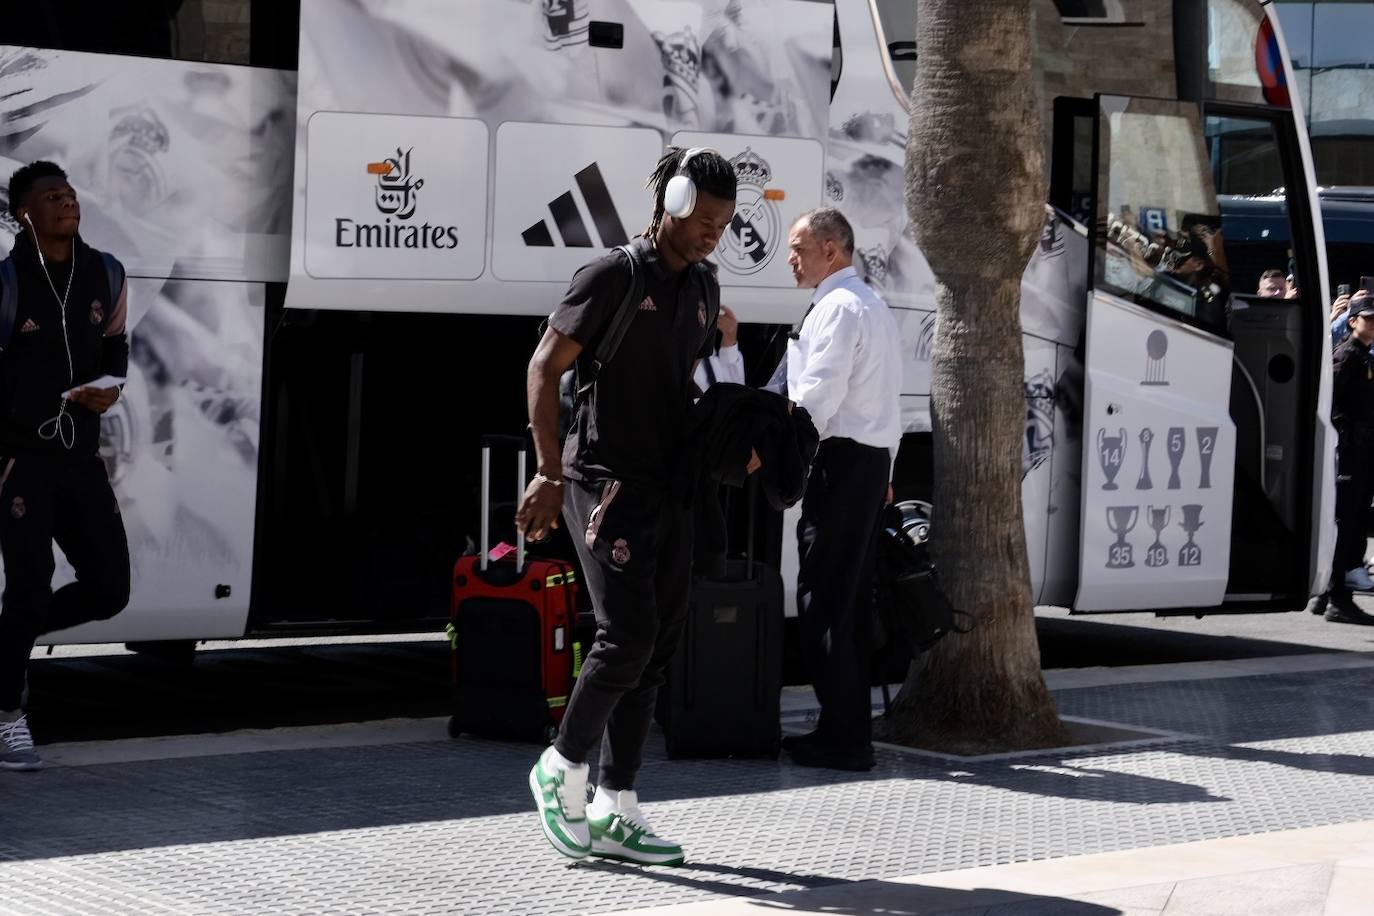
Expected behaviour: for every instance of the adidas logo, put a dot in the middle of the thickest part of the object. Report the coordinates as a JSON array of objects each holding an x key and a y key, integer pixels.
[
  {"x": 567, "y": 216},
  {"x": 648, "y": 305},
  {"x": 28, "y": 325}
]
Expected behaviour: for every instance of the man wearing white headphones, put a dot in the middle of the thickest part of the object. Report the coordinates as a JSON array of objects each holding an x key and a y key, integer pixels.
[
  {"x": 612, "y": 482},
  {"x": 62, "y": 312}
]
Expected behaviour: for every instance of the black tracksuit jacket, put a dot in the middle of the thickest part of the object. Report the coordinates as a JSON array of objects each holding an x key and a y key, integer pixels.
[{"x": 34, "y": 367}]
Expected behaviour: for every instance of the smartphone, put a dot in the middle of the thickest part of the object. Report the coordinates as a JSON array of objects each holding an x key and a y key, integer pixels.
[
  {"x": 1343, "y": 290},
  {"x": 1368, "y": 284}
]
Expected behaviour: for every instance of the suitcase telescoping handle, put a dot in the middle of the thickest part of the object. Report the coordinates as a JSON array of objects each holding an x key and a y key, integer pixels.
[{"x": 516, "y": 443}]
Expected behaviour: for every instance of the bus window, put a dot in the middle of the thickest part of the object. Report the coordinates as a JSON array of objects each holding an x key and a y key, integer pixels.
[
  {"x": 1159, "y": 239},
  {"x": 898, "y": 19},
  {"x": 1071, "y": 158},
  {"x": 1233, "y": 28},
  {"x": 1248, "y": 170},
  {"x": 1091, "y": 12}
]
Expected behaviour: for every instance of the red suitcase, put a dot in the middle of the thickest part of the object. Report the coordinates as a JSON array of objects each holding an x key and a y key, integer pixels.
[{"x": 511, "y": 632}]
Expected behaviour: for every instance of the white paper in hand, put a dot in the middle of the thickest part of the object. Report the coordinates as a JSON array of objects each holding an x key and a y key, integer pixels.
[{"x": 105, "y": 381}]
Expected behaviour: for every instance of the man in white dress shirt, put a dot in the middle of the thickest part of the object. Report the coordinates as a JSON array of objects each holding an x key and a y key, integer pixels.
[
  {"x": 725, "y": 364},
  {"x": 845, "y": 367}
]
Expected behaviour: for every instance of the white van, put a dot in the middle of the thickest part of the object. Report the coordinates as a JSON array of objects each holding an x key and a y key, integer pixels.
[{"x": 338, "y": 271}]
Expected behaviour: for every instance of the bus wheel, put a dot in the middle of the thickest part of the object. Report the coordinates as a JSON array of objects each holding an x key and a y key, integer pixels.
[{"x": 177, "y": 651}]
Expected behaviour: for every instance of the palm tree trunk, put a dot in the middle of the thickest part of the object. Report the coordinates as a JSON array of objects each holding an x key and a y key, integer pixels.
[{"x": 975, "y": 193}]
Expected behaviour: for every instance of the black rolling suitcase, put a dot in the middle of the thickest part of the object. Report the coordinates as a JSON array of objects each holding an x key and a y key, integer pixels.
[{"x": 724, "y": 687}]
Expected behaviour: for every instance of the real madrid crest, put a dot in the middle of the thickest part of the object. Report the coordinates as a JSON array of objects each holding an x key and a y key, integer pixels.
[{"x": 756, "y": 229}]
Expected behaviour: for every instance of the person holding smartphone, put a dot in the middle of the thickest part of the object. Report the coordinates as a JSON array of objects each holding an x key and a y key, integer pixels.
[
  {"x": 1352, "y": 413},
  {"x": 67, "y": 329}
]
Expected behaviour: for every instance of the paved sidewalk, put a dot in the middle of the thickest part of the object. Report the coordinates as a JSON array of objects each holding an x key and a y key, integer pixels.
[
  {"x": 396, "y": 818},
  {"x": 1321, "y": 871}
]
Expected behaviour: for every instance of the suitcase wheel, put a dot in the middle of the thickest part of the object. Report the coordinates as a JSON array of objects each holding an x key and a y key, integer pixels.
[{"x": 455, "y": 728}]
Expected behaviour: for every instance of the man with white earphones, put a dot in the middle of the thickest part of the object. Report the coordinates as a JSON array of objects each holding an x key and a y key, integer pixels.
[
  {"x": 63, "y": 353},
  {"x": 611, "y": 482}
]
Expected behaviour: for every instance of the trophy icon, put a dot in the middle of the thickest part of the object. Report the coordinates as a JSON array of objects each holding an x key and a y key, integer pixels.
[
  {"x": 1190, "y": 554},
  {"x": 1157, "y": 554},
  {"x": 1120, "y": 520},
  {"x": 1111, "y": 453},
  {"x": 1156, "y": 348},
  {"x": 1206, "y": 444},
  {"x": 1146, "y": 437},
  {"x": 1175, "y": 446}
]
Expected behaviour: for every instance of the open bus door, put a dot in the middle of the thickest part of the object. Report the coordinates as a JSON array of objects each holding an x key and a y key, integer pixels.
[
  {"x": 1159, "y": 443},
  {"x": 1201, "y": 489}
]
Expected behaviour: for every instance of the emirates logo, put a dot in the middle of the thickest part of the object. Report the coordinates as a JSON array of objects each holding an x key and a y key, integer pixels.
[
  {"x": 97, "y": 312},
  {"x": 17, "y": 508}
]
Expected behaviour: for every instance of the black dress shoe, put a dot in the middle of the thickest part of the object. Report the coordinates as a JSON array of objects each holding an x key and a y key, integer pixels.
[
  {"x": 1346, "y": 612},
  {"x": 791, "y": 741},
  {"x": 857, "y": 760}
]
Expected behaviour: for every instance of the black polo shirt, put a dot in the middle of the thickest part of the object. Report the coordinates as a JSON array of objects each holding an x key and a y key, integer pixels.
[{"x": 630, "y": 425}]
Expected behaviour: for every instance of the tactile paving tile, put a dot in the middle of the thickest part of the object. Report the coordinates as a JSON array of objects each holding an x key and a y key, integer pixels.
[{"x": 448, "y": 827}]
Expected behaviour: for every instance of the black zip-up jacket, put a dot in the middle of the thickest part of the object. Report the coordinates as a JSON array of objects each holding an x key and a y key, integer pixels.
[
  {"x": 1352, "y": 386},
  {"x": 722, "y": 428},
  {"x": 34, "y": 367}
]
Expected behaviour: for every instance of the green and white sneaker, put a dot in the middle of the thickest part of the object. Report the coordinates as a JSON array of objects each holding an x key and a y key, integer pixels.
[
  {"x": 560, "y": 792},
  {"x": 619, "y": 831}
]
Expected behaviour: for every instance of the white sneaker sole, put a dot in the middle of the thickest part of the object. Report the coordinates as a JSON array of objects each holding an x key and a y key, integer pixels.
[
  {"x": 620, "y": 854},
  {"x": 554, "y": 839},
  {"x": 21, "y": 766}
]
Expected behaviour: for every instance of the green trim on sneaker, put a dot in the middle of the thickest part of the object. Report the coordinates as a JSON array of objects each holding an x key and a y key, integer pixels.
[
  {"x": 617, "y": 837},
  {"x": 562, "y": 819}
]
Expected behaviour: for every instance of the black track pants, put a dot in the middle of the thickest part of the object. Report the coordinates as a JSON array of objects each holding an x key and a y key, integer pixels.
[
  {"x": 71, "y": 503},
  {"x": 636, "y": 552}
]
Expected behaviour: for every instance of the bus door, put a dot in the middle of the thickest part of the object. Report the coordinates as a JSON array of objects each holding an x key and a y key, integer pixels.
[{"x": 1159, "y": 443}]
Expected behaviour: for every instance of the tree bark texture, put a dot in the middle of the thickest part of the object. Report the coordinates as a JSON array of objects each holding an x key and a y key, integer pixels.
[{"x": 975, "y": 193}]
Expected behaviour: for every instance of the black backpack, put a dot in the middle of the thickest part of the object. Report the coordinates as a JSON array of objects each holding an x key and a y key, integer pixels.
[
  {"x": 9, "y": 292},
  {"x": 913, "y": 611}
]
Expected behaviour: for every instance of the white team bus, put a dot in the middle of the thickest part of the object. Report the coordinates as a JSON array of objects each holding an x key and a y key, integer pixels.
[{"x": 338, "y": 265}]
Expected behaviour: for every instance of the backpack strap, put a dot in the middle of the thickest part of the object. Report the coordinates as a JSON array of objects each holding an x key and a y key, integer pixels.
[
  {"x": 114, "y": 276},
  {"x": 710, "y": 291},
  {"x": 625, "y": 313},
  {"x": 9, "y": 300}
]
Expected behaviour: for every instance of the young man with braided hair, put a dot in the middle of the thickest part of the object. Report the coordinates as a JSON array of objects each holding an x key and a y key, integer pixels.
[
  {"x": 611, "y": 483},
  {"x": 61, "y": 325}
]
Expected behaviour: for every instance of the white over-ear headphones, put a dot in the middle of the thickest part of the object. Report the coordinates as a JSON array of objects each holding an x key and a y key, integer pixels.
[{"x": 680, "y": 197}]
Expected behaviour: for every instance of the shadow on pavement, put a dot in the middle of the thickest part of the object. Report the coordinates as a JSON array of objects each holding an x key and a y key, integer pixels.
[
  {"x": 861, "y": 898},
  {"x": 685, "y": 876},
  {"x": 104, "y": 697},
  {"x": 1073, "y": 642}
]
